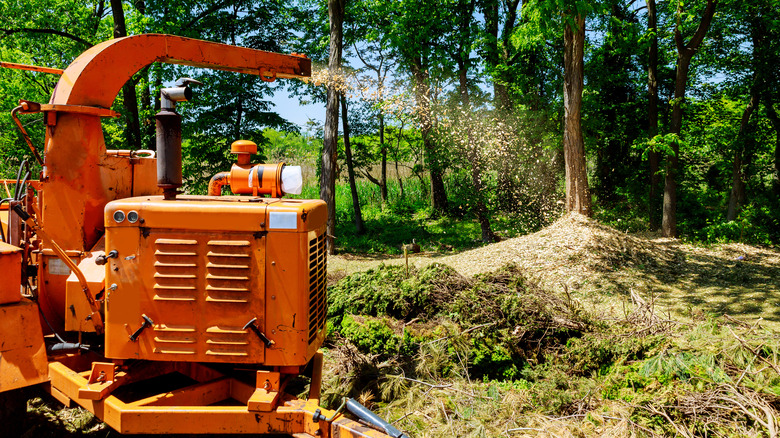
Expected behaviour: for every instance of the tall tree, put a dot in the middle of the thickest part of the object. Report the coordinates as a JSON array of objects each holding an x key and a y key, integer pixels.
[
  {"x": 500, "y": 21},
  {"x": 763, "y": 63},
  {"x": 615, "y": 107},
  {"x": 460, "y": 52},
  {"x": 374, "y": 58},
  {"x": 331, "y": 137},
  {"x": 416, "y": 29},
  {"x": 577, "y": 192},
  {"x": 685, "y": 52},
  {"x": 652, "y": 112},
  {"x": 129, "y": 98},
  {"x": 737, "y": 195},
  {"x": 360, "y": 227}
]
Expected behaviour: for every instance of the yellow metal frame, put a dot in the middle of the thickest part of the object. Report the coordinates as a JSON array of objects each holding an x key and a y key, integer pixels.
[{"x": 215, "y": 404}]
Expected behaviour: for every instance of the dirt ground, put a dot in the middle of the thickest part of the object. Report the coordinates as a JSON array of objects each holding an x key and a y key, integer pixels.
[{"x": 601, "y": 266}]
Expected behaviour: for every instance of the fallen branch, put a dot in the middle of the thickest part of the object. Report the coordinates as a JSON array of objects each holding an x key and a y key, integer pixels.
[{"x": 755, "y": 352}]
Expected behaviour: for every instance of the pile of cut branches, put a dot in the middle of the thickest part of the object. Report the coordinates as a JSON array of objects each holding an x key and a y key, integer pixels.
[{"x": 496, "y": 355}]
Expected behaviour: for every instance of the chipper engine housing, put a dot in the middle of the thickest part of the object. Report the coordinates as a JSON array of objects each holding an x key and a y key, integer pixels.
[{"x": 223, "y": 279}]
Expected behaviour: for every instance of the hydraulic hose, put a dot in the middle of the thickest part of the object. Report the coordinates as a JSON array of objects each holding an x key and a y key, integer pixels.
[
  {"x": 373, "y": 419},
  {"x": 18, "y": 194},
  {"x": 19, "y": 177}
]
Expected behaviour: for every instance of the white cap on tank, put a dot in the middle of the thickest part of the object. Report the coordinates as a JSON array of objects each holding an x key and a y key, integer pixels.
[{"x": 292, "y": 180}]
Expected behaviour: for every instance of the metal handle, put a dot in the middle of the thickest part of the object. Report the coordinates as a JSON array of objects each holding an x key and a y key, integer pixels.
[{"x": 147, "y": 323}]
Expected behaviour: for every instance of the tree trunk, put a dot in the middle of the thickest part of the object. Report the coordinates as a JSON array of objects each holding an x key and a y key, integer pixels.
[
  {"x": 130, "y": 100},
  {"x": 360, "y": 227},
  {"x": 395, "y": 158},
  {"x": 383, "y": 150},
  {"x": 400, "y": 181},
  {"x": 737, "y": 196},
  {"x": 774, "y": 118},
  {"x": 473, "y": 154},
  {"x": 330, "y": 140},
  {"x": 145, "y": 101},
  {"x": 652, "y": 114},
  {"x": 492, "y": 57},
  {"x": 685, "y": 53},
  {"x": 577, "y": 193},
  {"x": 669, "y": 219},
  {"x": 422, "y": 96}
]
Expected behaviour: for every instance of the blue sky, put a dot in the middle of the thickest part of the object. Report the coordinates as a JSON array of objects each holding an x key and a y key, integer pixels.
[{"x": 288, "y": 107}]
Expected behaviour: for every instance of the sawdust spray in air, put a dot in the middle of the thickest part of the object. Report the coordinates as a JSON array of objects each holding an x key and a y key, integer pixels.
[{"x": 514, "y": 157}]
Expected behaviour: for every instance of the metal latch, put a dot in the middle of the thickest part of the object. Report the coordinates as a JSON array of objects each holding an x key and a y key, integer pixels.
[
  {"x": 147, "y": 323},
  {"x": 252, "y": 324}
]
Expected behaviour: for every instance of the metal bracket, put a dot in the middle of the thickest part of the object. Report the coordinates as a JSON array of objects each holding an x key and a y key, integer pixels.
[
  {"x": 101, "y": 381},
  {"x": 266, "y": 394},
  {"x": 267, "y": 76}
]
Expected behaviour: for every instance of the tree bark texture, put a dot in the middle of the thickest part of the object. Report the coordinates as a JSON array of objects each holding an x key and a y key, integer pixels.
[
  {"x": 331, "y": 134},
  {"x": 685, "y": 53},
  {"x": 360, "y": 227},
  {"x": 129, "y": 97},
  {"x": 577, "y": 192},
  {"x": 652, "y": 115}
]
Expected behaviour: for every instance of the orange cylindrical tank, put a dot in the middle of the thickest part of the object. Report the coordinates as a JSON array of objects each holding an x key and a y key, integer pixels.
[
  {"x": 260, "y": 179},
  {"x": 11, "y": 267}
]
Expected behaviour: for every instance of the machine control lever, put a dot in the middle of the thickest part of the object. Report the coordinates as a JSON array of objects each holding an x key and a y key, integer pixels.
[
  {"x": 103, "y": 259},
  {"x": 253, "y": 325},
  {"x": 147, "y": 323}
]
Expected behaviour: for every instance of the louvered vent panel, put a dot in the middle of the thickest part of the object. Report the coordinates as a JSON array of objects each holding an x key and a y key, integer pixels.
[
  {"x": 175, "y": 269},
  {"x": 174, "y": 339},
  {"x": 227, "y": 341},
  {"x": 318, "y": 270},
  {"x": 228, "y": 271}
]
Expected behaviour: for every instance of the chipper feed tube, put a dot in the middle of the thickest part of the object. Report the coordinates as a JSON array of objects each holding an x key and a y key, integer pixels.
[{"x": 366, "y": 415}]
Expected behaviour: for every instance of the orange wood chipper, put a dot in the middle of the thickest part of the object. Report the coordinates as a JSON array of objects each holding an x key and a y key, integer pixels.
[{"x": 162, "y": 312}]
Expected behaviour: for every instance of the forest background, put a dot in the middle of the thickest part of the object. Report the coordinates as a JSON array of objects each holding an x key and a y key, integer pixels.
[{"x": 460, "y": 118}]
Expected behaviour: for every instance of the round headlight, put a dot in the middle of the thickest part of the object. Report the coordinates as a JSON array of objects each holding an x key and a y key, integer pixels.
[
  {"x": 132, "y": 216},
  {"x": 119, "y": 216}
]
